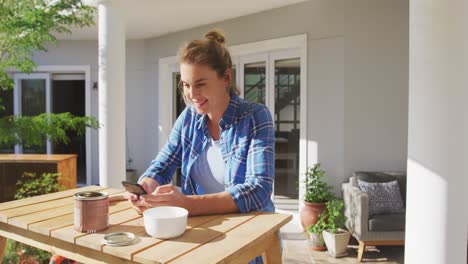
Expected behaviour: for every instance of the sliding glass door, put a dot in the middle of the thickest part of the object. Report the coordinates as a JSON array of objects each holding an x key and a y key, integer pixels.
[{"x": 273, "y": 79}]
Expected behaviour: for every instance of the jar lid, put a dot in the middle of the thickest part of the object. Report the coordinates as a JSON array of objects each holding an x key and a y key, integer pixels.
[
  {"x": 119, "y": 239},
  {"x": 90, "y": 195}
]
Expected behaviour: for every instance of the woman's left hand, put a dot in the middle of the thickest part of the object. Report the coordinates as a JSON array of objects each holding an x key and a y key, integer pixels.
[{"x": 164, "y": 195}]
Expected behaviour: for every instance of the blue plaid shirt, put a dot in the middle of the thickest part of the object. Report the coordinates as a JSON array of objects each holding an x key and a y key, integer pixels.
[{"x": 247, "y": 145}]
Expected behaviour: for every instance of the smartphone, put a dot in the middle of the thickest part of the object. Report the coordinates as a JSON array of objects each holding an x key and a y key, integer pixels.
[{"x": 134, "y": 188}]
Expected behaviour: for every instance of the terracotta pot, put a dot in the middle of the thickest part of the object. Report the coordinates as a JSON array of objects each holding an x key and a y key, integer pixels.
[{"x": 310, "y": 213}]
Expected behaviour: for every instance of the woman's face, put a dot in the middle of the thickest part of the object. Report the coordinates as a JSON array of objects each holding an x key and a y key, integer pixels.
[{"x": 204, "y": 88}]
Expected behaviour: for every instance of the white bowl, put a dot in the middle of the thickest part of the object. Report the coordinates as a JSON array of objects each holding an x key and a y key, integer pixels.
[{"x": 165, "y": 221}]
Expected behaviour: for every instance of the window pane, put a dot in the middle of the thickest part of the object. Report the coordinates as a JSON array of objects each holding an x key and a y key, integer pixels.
[
  {"x": 33, "y": 102},
  {"x": 33, "y": 97},
  {"x": 254, "y": 82},
  {"x": 287, "y": 105}
]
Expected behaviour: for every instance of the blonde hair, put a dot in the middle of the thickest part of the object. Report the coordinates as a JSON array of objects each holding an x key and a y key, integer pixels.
[{"x": 210, "y": 51}]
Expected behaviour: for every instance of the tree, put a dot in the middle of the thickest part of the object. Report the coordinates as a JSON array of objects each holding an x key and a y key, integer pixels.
[{"x": 27, "y": 26}]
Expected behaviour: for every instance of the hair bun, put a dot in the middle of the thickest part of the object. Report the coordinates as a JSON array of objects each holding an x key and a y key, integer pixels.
[{"x": 216, "y": 35}]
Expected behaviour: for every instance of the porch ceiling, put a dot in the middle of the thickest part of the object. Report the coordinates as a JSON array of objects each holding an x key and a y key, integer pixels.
[{"x": 153, "y": 18}]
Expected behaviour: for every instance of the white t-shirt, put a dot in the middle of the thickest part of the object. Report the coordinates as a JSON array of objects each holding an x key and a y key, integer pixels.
[{"x": 208, "y": 169}]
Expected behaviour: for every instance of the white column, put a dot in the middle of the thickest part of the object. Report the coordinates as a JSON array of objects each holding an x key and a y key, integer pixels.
[
  {"x": 437, "y": 210},
  {"x": 111, "y": 94}
]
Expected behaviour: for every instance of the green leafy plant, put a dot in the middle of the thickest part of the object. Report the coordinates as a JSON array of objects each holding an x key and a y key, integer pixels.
[
  {"x": 317, "y": 191},
  {"x": 30, "y": 184},
  {"x": 35, "y": 130},
  {"x": 320, "y": 225},
  {"x": 331, "y": 219},
  {"x": 335, "y": 216}
]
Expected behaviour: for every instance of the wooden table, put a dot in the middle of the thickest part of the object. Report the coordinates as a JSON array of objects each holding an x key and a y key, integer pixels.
[
  {"x": 46, "y": 222},
  {"x": 12, "y": 166}
]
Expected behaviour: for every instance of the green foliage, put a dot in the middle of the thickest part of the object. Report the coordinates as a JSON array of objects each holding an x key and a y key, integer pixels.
[
  {"x": 30, "y": 184},
  {"x": 317, "y": 191},
  {"x": 34, "y": 130},
  {"x": 336, "y": 218},
  {"x": 20, "y": 253},
  {"x": 320, "y": 225},
  {"x": 10, "y": 252},
  {"x": 331, "y": 219},
  {"x": 28, "y": 25}
]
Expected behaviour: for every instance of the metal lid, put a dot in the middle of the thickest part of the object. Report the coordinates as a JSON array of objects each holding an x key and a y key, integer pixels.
[
  {"x": 90, "y": 195},
  {"x": 119, "y": 239}
]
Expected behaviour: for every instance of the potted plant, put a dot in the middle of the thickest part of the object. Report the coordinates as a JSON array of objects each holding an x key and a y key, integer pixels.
[
  {"x": 335, "y": 236},
  {"x": 317, "y": 194},
  {"x": 316, "y": 241}
]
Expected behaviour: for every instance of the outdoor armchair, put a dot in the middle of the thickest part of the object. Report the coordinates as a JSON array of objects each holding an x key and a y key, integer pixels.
[{"x": 377, "y": 229}]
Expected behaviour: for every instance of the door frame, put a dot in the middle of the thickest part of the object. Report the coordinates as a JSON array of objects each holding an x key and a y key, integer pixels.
[
  {"x": 297, "y": 42},
  {"x": 81, "y": 69}
]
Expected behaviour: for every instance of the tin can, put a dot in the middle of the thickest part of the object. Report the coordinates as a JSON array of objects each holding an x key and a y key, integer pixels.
[{"x": 91, "y": 211}]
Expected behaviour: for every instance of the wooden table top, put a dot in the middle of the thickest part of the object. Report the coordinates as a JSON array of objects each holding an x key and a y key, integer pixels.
[
  {"x": 35, "y": 157},
  {"x": 47, "y": 222}
]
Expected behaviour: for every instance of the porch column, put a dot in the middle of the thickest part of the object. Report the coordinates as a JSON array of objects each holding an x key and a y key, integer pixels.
[
  {"x": 437, "y": 214},
  {"x": 111, "y": 94}
]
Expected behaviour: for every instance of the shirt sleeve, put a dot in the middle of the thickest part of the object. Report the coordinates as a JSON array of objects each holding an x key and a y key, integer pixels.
[
  {"x": 163, "y": 167},
  {"x": 255, "y": 192}
]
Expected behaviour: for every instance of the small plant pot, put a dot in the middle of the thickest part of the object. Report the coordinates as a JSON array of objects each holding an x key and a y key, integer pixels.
[
  {"x": 316, "y": 242},
  {"x": 337, "y": 243}
]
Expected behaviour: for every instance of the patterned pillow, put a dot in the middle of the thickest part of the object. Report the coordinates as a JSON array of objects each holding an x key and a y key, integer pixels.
[{"x": 384, "y": 197}]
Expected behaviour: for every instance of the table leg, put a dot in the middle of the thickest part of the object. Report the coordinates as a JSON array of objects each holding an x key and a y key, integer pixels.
[
  {"x": 273, "y": 253},
  {"x": 3, "y": 241}
]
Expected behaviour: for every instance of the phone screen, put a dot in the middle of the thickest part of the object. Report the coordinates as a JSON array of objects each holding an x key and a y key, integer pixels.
[{"x": 134, "y": 188}]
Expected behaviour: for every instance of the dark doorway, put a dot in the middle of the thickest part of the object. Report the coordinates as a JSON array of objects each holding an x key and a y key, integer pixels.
[{"x": 69, "y": 96}]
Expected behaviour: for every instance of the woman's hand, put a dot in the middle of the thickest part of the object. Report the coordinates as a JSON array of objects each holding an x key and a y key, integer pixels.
[
  {"x": 149, "y": 185},
  {"x": 164, "y": 195}
]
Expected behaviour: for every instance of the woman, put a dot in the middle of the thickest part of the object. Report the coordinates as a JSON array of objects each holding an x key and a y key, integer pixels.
[{"x": 223, "y": 144}]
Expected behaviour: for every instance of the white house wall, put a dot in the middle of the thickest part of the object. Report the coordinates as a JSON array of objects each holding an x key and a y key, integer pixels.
[
  {"x": 357, "y": 76},
  {"x": 376, "y": 85}
]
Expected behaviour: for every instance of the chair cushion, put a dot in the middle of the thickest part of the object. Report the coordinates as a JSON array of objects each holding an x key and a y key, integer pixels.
[
  {"x": 375, "y": 176},
  {"x": 384, "y": 197},
  {"x": 387, "y": 222}
]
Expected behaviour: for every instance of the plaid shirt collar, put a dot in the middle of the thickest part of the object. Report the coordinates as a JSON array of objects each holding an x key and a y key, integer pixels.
[{"x": 230, "y": 116}]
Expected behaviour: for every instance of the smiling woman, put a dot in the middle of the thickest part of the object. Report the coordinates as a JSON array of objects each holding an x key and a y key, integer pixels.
[{"x": 223, "y": 144}]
